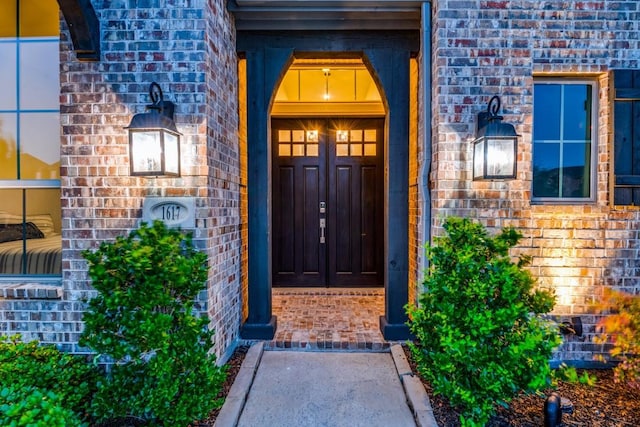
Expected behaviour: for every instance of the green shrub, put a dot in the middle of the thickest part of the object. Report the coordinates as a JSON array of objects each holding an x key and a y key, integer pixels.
[
  {"x": 622, "y": 327},
  {"x": 46, "y": 369},
  {"x": 570, "y": 374},
  {"x": 480, "y": 338},
  {"x": 32, "y": 407},
  {"x": 143, "y": 319}
]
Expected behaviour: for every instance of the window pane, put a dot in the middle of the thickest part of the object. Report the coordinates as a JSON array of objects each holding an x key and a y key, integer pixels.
[
  {"x": 562, "y": 140},
  {"x": 575, "y": 173},
  {"x": 30, "y": 241},
  {"x": 37, "y": 230},
  {"x": 284, "y": 136},
  {"x": 39, "y": 18},
  {"x": 312, "y": 150},
  {"x": 312, "y": 136},
  {"x": 546, "y": 170},
  {"x": 284, "y": 150},
  {"x": 40, "y": 145},
  {"x": 8, "y": 76},
  {"x": 8, "y": 146},
  {"x": 8, "y": 13},
  {"x": 577, "y": 112},
  {"x": 39, "y": 75},
  {"x": 298, "y": 136},
  {"x": 546, "y": 112},
  {"x": 369, "y": 149}
]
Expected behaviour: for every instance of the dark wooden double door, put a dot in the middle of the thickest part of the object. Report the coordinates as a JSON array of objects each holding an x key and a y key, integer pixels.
[{"x": 328, "y": 188}]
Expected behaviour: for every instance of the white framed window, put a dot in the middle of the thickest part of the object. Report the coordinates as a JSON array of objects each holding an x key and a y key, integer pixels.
[
  {"x": 564, "y": 140},
  {"x": 30, "y": 207}
]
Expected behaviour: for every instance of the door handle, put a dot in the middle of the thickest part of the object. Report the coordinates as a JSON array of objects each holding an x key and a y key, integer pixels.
[{"x": 323, "y": 226}]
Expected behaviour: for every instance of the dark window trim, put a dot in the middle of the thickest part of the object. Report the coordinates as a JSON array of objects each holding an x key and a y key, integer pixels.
[{"x": 593, "y": 185}]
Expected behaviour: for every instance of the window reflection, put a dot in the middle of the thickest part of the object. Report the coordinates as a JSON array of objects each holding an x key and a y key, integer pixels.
[
  {"x": 562, "y": 140},
  {"x": 30, "y": 224}
]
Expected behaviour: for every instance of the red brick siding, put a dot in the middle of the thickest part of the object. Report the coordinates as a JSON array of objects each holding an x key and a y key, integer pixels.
[
  {"x": 484, "y": 48},
  {"x": 189, "y": 49}
]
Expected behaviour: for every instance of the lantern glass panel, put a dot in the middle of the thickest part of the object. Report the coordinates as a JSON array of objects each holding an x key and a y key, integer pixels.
[
  {"x": 500, "y": 157},
  {"x": 146, "y": 152},
  {"x": 478, "y": 159},
  {"x": 172, "y": 154}
]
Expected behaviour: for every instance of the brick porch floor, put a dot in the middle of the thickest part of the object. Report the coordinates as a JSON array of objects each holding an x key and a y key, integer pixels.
[{"x": 327, "y": 318}]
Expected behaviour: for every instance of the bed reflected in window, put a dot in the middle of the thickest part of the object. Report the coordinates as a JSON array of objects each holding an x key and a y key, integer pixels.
[
  {"x": 30, "y": 238},
  {"x": 31, "y": 243}
]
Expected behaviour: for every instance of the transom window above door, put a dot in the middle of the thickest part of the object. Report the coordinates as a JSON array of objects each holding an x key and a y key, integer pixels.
[{"x": 327, "y": 87}]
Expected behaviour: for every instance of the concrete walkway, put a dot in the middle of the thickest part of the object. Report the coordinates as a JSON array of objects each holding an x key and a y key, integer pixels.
[{"x": 314, "y": 389}]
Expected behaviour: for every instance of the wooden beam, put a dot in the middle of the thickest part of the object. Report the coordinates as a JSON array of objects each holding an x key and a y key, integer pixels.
[{"x": 84, "y": 28}]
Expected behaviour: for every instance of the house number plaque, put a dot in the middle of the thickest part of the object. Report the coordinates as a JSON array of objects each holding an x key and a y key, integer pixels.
[{"x": 173, "y": 211}]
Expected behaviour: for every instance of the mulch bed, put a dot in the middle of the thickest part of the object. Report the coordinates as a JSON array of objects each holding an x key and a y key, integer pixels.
[
  {"x": 233, "y": 366},
  {"x": 605, "y": 404}
]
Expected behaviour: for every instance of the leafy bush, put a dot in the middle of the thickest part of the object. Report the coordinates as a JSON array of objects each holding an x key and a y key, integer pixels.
[
  {"x": 570, "y": 374},
  {"x": 623, "y": 327},
  {"x": 43, "y": 369},
  {"x": 33, "y": 407},
  {"x": 143, "y": 319},
  {"x": 480, "y": 338}
]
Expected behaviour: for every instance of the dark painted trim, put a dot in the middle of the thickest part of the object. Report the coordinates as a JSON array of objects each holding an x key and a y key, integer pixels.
[
  {"x": 259, "y": 331},
  {"x": 395, "y": 331},
  {"x": 84, "y": 28},
  {"x": 263, "y": 73},
  {"x": 329, "y": 43},
  {"x": 393, "y": 70},
  {"x": 325, "y": 15}
]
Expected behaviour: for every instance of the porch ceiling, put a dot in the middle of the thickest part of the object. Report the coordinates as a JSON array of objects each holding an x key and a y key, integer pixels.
[{"x": 326, "y": 15}]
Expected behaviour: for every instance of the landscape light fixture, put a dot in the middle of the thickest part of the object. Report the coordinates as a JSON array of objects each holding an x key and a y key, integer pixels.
[
  {"x": 495, "y": 146},
  {"x": 154, "y": 141}
]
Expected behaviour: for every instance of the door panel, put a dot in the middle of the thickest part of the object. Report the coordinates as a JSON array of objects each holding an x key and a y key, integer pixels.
[
  {"x": 310, "y": 249},
  {"x": 356, "y": 190},
  {"x": 327, "y": 202},
  {"x": 286, "y": 217},
  {"x": 368, "y": 217},
  {"x": 343, "y": 221}
]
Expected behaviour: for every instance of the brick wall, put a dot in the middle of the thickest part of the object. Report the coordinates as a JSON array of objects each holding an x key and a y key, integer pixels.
[
  {"x": 224, "y": 177},
  {"x": 484, "y": 48},
  {"x": 188, "y": 47}
]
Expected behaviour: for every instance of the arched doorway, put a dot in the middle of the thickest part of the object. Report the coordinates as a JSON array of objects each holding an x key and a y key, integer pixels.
[
  {"x": 268, "y": 55},
  {"x": 327, "y": 156}
]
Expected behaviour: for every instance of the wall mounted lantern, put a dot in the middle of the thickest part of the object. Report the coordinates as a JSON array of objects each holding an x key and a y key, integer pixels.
[
  {"x": 495, "y": 146},
  {"x": 154, "y": 141}
]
